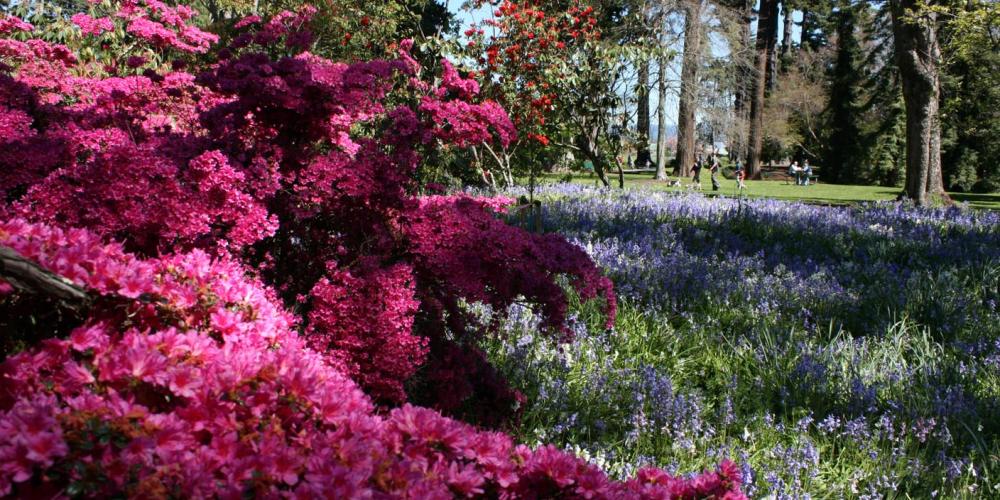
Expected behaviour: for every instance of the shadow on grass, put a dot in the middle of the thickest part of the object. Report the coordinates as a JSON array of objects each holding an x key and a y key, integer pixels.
[
  {"x": 980, "y": 200},
  {"x": 990, "y": 198}
]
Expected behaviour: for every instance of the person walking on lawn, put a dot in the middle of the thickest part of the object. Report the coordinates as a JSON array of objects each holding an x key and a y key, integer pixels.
[
  {"x": 740, "y": 175},
  {"x": 715, "y": 170},
  {"x": 696, "y": 170}
]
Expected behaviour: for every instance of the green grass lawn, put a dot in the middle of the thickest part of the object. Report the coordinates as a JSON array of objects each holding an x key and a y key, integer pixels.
[{"x": 823, "y": 193}]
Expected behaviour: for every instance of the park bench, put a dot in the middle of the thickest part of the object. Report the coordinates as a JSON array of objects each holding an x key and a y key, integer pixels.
[
  {"x": 774, "y": 175},
  {"x": 812, "y": 178},
  {"x": 784, "y": 176}
]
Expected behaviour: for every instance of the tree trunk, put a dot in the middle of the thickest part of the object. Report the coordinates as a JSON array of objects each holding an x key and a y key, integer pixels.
[
  {"x": 773, "y": 62},
  {"x": 643, "y": 157},
  {"x": 661, "y": 120},
  {"x": 917, "y": 55},
  {"x": 767, "y": 32},
  {"x": 689, "y": 87},
  {"x": 744, "y": 85},
  {"x": 588, "y": 145},
  {"x": 786, "y": 36}
]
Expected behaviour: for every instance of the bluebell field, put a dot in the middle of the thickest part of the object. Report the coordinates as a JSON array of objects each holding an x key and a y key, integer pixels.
[{"x": 832, "y": 352}]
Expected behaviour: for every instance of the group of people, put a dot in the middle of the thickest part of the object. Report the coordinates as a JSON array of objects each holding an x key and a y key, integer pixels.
[
  {"x": 802, "y": 173},
  {"x": 714, "y": 167}
]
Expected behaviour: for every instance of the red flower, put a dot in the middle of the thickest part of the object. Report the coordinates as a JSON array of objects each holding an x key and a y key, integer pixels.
[{"x": 540, "y": 138}]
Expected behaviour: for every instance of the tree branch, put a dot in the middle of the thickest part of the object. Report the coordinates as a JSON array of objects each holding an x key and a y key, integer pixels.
[{"x": 27, "y": 276}]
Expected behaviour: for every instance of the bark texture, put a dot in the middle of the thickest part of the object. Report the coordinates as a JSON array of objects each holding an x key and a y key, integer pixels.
[
  {"x": 744, "y": 86},
  {"x": 643, "y": 156},
  {"x": 767, "y": 34},
  {"x": 661, "y": 119},
  {"x": 27, "y": 276},
  {"x": 918, "y": 55},
  {"x": 589, "y": 144},
  {"x": 786, "y": 32},
  {"x": 693, "y": 43}
]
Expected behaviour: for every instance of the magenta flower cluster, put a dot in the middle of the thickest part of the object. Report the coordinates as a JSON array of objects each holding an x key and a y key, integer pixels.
[
  {"x": 92, "y": 26},
  {"x": 259, "y": 158},
  {"x": 165, "y": 26},
  {"x": 11, "y": 24},
  {"x": 193, "y": 382},
  {"x": 254, "y": 186}
]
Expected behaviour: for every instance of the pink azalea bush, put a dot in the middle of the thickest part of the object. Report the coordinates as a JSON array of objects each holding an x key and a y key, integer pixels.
[
  {"x": 193, "y": 382},
  {"x": 163, "y": 26},
  {"x": 260, "y": 181},
  {"x": 258, "y": 156}
]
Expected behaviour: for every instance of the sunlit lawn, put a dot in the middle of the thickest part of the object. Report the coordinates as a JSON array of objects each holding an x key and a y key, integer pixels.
[{"x": 815, "y": 193}]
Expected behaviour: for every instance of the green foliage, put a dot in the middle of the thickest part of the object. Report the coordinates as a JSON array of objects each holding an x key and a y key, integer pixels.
[
  {"x": 844, "y": 150},
  {"x": 815, "y": 26},
  {"x": 884, "y": 119},
  {"x": 971, "y": 96},
  {"x": 822, "y": 193},
  {"x": 861, "y": 136},
  {"x": 964, "y": 173},
  {"x": 348, "y": 30},
  {"x": 888, "y": 149}
]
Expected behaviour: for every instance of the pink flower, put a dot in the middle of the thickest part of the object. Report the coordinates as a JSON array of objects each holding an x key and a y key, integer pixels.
[
  {"x": 91, "y": 26},
  {"x": 11, "y": 24},
  {"x": 229, "y": 194},
  {"x": 184, "y": 382},
  {"x": 88, "y": 337},
  {"x": 465, "y": 481},
  {"x": 32, "y": 438},
  {"x": 314, "y": 431},
  {"x": 247, "y": 21},
  {"x": 78, "y": 374}
]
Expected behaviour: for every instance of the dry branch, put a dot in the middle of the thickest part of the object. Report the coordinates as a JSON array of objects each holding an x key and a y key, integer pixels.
[{"x": 27, "y": 276}]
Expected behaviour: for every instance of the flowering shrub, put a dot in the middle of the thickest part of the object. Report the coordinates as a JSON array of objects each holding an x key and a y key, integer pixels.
[
  {"x": 267, "y": 178},
  {"x": 527, "y": 42},
  {"x": 91, "y": 26},
  {"x": 550, "y": 65},
  {"x": 164, "y": 26},
  {"x": 365, "y": 324},
  {"x": 193, "y": 382},
  {"x": 297, "y": 166}
]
